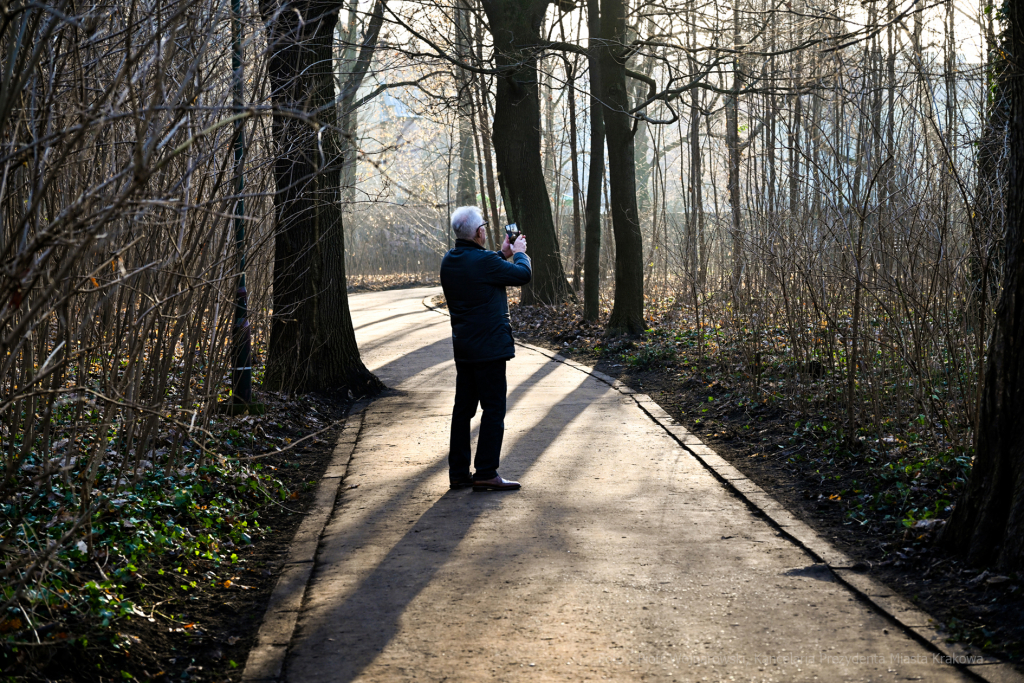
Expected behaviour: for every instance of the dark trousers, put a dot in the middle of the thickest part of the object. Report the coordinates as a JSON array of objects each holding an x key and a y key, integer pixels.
[{"x": 483, "y": 384}]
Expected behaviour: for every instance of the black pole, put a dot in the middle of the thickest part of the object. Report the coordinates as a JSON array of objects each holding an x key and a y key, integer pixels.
[{"x": 241, "y": 375}]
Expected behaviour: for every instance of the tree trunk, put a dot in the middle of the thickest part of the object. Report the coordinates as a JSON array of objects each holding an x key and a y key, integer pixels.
[
  {"x": 641, "y": 146},
  {"x": 732, "y": 142},
  {"x": 570, "y": 68},
  {"x": 485, "y": 142},
  {"x": 987, "y": 525},
  {"x": 494, "y": 231},
  {"x": 514, "y": 23},
  {"x": 695, "y": 238},
  {"x": 595, "y": 176},
  {"x": 465, "y": 188},
  {"x": 628, "y": 313},
  {"x": 988, "y": 224},
  {"x": 772, "y": 116},
  {"x": 794, "y": 130},
  {"x": 547, "y": 129},
  {"x": 642, "y": 134},
  {"x": 349, "y": 116},
  {"x": 312, "y": 343}
]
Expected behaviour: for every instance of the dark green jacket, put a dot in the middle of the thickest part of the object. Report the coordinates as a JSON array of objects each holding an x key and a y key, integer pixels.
[{"x": 474, "y": 281}]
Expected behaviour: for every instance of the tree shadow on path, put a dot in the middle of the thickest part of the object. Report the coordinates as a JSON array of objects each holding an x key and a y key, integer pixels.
[{"x": 342, "y": 640}]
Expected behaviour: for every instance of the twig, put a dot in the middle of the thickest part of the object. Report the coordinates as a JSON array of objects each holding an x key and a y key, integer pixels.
[{"x": 291, "y": 445}]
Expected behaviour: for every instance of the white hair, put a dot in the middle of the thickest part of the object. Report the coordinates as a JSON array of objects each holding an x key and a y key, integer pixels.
[{"x": 465, "y": 221}]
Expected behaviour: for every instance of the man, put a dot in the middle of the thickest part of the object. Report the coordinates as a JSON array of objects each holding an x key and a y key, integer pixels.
[{"x": 474, "y": 281}]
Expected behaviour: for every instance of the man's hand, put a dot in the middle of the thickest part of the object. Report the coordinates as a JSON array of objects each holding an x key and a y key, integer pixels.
[
  {"x": 519, "y": 246},
  {"x": 506, "y": 248}
]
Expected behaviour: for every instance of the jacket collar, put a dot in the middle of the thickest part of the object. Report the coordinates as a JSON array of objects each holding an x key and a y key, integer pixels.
[{"x": 459, "y": 242}]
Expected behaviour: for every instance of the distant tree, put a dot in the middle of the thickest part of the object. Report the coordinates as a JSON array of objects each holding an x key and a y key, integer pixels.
[
  {"x": 312, "y": 342},
  {"x": 465, "y": 192},
  {"x": 628, "y": 311},
  {"x": 515, "y": 26},
  {"x": 987, "y": 525},
  {"x": 592, "y": 248}
]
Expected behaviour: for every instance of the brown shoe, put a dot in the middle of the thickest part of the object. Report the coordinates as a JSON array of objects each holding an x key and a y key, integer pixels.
[{"x": 496, "y": 484}]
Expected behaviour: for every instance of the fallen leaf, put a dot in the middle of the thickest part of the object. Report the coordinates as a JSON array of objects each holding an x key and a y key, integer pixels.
[{"x": 10, "y": 625}]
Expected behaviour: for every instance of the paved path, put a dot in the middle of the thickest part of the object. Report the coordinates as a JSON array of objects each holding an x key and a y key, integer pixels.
[{"x": 621, "y": 559}]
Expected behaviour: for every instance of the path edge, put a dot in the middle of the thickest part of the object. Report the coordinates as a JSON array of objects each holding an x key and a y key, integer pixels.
[
  {"x": 904, "y": 614},
  {"x": 266, "y": 657},
  {"x": 915, "y": 621}
]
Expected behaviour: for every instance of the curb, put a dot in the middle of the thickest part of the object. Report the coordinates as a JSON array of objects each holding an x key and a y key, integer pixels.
[
  {"x": 266, "y": 658},
  {"x": 904, "y": 614}
]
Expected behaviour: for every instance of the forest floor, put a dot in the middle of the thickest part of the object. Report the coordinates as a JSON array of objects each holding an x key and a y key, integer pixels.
[
  {"x": 881, "y": 506},
  {"x": 187, "y": 608}
]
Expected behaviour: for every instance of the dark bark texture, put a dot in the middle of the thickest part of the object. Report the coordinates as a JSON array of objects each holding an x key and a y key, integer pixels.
[
  {"x": 628, "y": 312},
  {"x": 517, "y": 138},
  {"x": 987, "y": 525},
  {"x": 312, "y": 343}
]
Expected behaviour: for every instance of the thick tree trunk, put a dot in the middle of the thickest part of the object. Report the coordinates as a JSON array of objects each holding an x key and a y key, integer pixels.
[
  {"x": 595, "y": 176},
  {"x": 517, "y": 140},
  {"x": 312, "y": 343},
  {"x": 988, "y": 224},
  {"x": 628, "y": 313},
  {"x": 988, "y": 523}
]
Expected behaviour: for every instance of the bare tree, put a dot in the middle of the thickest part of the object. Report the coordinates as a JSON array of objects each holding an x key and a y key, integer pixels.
[
  {"x": 312, "y": 343},
  {"x": 628, "y": 312},
  {"x": 514, "y": 28}
]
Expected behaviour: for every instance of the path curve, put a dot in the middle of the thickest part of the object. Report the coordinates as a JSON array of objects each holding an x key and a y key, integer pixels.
[{"x": 621, "y": 559}]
